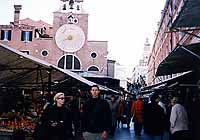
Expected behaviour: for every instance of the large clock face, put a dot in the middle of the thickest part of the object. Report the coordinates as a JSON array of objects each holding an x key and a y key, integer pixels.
[{"x": 70, "y": 37}]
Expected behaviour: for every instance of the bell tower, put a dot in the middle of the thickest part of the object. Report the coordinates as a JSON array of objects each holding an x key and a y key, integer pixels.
[
  {"x": 70, "y": 34},
  {"x": 74, "y": 6},
  {"x": 71, "y": 13}
]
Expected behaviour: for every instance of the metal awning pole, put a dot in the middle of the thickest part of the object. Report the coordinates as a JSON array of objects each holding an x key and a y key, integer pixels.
[
  {"x": 49, "y": 81},
  {"x": 41, "y": 78},
  {"x": 190, "y": 34}
]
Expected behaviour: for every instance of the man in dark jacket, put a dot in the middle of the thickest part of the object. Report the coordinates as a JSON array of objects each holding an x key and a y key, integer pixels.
[
  {"x": 154, "y": 119},
  {"x": 96, "y": 116}
]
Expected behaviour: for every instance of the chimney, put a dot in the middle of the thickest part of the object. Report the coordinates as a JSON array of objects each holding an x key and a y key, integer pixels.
[{"x": 17, "y": 14}]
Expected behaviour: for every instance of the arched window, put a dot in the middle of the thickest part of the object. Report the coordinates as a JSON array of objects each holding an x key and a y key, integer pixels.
[
  {"x": 69, "y": 62},
  {"x": 93, "y": 68}
]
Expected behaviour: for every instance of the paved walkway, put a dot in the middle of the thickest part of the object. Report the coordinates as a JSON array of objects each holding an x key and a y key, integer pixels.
[
  {"x": 129, "y": 134},
  {"x": 121, "y": 134},
  {"x": 124, "y": 133}
]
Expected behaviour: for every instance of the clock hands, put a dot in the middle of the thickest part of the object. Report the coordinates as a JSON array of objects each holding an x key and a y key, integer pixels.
[{"x": 69, "y": 37}]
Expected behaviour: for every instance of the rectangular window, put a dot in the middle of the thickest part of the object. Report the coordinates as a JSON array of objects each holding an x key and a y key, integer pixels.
[
  {"x": 26, "y": 36},
  {"x": 6, "y": 35}
]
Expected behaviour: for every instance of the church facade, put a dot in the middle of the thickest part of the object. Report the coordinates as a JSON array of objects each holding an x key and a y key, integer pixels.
[{"x": 64, "y": 44}]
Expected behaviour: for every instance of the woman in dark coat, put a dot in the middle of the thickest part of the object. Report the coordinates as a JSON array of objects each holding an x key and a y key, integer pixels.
[{"x": 57, "y": 120}]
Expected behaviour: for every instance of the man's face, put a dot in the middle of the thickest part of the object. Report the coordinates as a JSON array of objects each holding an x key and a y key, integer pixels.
[
  {"x": 95, "y": 92},
  {"x": 157, "y": 100},
  {"x": 173, "y": 102},
  {"x": 112, "y": 99}
]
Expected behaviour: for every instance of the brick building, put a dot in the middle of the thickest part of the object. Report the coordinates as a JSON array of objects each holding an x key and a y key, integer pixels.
[
  {"x": 167, "y": 39},
  {"x": 64, "y": 44}
]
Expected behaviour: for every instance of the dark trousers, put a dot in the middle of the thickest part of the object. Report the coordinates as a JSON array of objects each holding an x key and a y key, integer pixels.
[
  {"x": 112, "y": 130},
  {"x": 113, "y": 127},
  {"x": 181, "y": 135},
  {"x": 137, "y": 127}
]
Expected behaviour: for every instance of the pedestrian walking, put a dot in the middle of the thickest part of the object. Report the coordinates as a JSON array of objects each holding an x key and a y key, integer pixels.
[
  {"x": 74, "y": 107},
  {"x": 154, "y": 119},
  {"x": 162, "y": 103},
  {"x": 137, "y": 113},
  {"x": 127, "y": 111},
  {"x": 96, "y": 116},
  {"x": 179, "y": 121},
  {"x": 120, "y": 112},
  {"x": 113, "y": 103}
]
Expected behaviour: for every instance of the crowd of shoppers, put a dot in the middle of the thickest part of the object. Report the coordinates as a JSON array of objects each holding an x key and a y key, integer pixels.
[
  {"x": 157, "y": 118},
  {"x": 96, "y": 118}
]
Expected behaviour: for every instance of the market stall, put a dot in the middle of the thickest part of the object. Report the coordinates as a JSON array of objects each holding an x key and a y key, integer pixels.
[{"x": 26, "y": 85}]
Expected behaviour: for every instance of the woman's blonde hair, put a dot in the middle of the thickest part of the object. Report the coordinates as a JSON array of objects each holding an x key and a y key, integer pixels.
[{"x": 57, "y": 95}]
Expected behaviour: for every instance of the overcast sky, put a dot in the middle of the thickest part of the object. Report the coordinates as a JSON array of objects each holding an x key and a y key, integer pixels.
[{"x": 125, "y": 24}]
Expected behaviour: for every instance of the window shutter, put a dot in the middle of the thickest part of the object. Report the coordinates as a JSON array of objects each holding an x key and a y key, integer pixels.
[
  {"x": 22, "y": 35},
  {"x": 9, "y": 35},
  {"x": 2, "y": 34},
  {"x": 30, "y": 35}
]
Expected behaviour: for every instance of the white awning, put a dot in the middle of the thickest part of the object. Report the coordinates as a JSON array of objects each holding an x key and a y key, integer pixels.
[
  {"x": 165, "y": 82},
  {"x": 20, "y": 70}
]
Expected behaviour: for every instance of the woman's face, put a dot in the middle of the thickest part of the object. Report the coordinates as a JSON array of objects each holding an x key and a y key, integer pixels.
[{"x": 60, "y": 100}]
